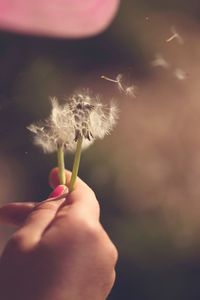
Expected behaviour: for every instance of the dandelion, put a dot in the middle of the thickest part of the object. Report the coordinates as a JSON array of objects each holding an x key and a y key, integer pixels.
[
  {"x": 55, "y": 134},
  {"x": 92, "y": 120},
  {"x": 74, "y": 126},
  {"x": 175, "y": 36},
  {"x": 123, "y": 88}
]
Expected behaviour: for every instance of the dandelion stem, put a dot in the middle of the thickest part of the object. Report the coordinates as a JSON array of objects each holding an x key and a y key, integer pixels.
[
  {"x": 61, "y": 165},
  {"x": 76, "y": 164}
]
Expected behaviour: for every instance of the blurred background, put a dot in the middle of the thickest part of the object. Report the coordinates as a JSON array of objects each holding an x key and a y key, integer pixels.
[{"x": 147, "y": 173}]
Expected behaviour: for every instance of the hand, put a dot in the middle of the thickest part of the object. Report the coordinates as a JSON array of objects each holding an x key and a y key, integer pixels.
[{"x": 60, "y": 250}]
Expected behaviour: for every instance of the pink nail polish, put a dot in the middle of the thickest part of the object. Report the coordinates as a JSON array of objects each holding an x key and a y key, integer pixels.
[{"x": 59, "y": 190}]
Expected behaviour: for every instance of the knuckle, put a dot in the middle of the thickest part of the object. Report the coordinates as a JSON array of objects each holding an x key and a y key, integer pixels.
[
  {"x": 47, "y": 205},
  {"x": 17, "y": 243},
  {"x": 113, "y": 253},
  {"x": 111, "y": 281},
  {"x": 92, "y": 193},
  {"x": 108, "y": 284},
  {"x": 17, "y": 240},
  {"x": 91, "y": 231},
  {"x": 84, "y": 230}
]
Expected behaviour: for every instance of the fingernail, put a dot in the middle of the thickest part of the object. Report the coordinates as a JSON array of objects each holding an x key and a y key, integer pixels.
[{"x": 59, "y": 190}]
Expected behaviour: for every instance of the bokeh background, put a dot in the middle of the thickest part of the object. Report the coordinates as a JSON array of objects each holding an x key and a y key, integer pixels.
[{"x": 147, "y": 173}]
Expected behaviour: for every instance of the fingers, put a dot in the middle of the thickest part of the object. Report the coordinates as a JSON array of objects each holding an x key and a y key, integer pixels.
[
  {"x": 82, "y": 199},
  {"x": 58, "y": 191},
  {"x": 81, "y": 203},
  {"x": 39, "y": 219},
  {"x": 15, "y": 214},
  {"x": 54, "y": 178}
]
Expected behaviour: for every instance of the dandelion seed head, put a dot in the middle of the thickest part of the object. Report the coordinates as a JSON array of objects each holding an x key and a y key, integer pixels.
[
  {"x": 42, "y": 138},
  {"x": 81, "y": 108},
  {"x": 103, "y": 119},
  {"x": 55, "y": 130},
  {"x": 81, "y": 116},
  {"x": 92, "y": 118},
  {"x": 58, "y": 117}
]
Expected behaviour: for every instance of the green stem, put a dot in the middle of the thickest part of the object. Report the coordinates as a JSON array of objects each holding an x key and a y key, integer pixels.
[
  {"x": 76, "y": 164},
  {"x": 61, "y": 165}
]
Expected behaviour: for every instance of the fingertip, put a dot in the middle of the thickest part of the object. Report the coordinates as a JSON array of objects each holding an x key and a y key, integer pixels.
[
  {"x": 82, "y": 199},
  {"x": 80, "y": 192},
  {"x": 59, "y": 190},
  {"x": 54, "y": 178},
  {"x": 80, "y": 186}
]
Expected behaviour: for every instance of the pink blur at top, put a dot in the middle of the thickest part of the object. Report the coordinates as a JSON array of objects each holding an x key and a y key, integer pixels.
[{"x": 61, "y": 18}]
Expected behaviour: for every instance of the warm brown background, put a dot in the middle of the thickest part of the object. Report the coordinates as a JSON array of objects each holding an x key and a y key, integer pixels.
[{"x": 147, "y": 173}]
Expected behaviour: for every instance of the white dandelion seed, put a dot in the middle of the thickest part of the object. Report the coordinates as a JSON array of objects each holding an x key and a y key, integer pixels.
[
  {"x": 175, "y": 36},
  {"x": 180, "y": 74},
  {"x": 131, "y": 91},
  {"x": 122, "y": 87},
  {"x": 160, "y": 61},
  {"x": 120, "y": 84},
  {"x": 110, "y": 79}
]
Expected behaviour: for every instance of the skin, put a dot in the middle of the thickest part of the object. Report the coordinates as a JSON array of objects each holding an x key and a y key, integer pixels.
[
  {"x": 60, "y": 250},
  {"x": 57, "y": 18}
]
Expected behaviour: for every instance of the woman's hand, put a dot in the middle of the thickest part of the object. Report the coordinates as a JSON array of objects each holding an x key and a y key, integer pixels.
[{"x": 60, "y": 250}]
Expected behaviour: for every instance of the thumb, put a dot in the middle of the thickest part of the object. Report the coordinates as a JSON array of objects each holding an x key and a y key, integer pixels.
[
  {"x": 15, "y": 214},
  {"x": 40, "y": 218},
  {"x": 54, "y": 178}
]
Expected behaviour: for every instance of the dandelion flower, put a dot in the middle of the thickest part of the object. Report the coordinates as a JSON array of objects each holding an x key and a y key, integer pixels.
[
  {"x": 55, "y": 134},
  {"x": 55, "y": 131},
  {"x": 72, "y": 126},
  {"x": 92, "y": 120}
]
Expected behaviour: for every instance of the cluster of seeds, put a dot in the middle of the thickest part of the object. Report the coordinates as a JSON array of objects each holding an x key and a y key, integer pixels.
[
  {"x": 81, "y": 109},
  {"x": 81, "y": 116}
]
